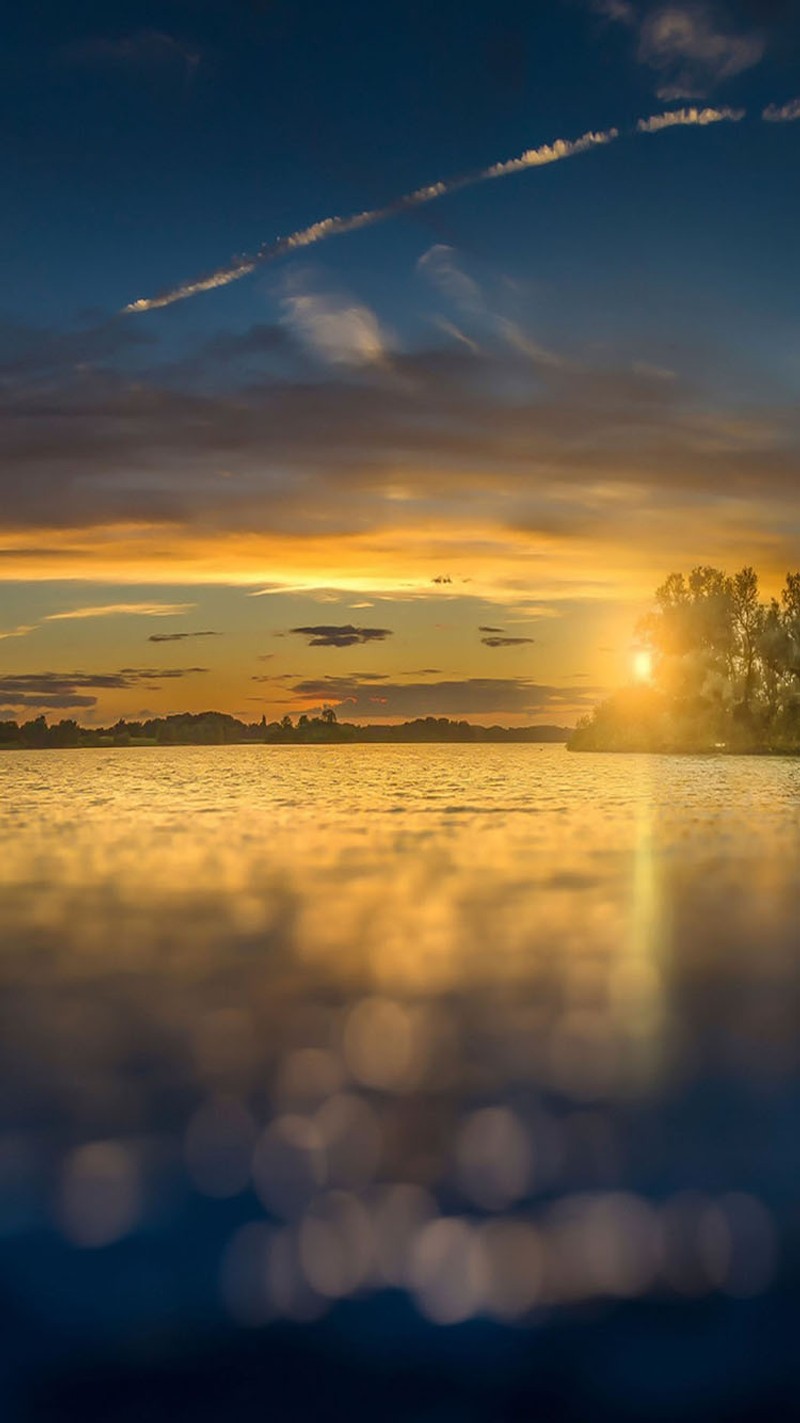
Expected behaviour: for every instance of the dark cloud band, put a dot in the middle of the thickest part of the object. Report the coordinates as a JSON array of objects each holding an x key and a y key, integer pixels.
[
  {"x": 505, "y": 641},
  {"x": 471, "y": 696},
  {"x": 73, "y": 689},
  {"x": 343, "y": 635}
]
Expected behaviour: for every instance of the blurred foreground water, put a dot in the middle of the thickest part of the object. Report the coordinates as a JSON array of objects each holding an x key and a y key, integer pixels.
[{"x": 426, "y": 1083}]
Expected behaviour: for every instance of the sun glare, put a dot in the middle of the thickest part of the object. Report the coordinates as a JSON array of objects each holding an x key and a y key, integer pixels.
[{"x": 643, "y": 665}]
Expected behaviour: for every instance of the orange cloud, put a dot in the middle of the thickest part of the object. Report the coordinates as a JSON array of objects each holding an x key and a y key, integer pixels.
[{"x": 502, "y": 563}]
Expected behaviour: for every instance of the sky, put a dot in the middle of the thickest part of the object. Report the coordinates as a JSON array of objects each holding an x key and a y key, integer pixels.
[{"x": 430, "y": 461}]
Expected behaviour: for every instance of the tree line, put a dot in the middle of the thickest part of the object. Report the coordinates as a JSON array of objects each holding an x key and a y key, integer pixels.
[
  {"x": 725, "y": 671},
  {"x": 214, "y": 728}
]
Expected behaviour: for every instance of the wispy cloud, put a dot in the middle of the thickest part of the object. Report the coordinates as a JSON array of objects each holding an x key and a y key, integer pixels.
[
  {"x": 689, "y": 51},
  {"x": 440, "y": 267},
  {"x": 621, "y": 10},
  {"x": 783, "y": 113},
  {"x": 143, "y": 49},
  {"x": 157, "y": 674},
  {"x": 21, "y": 631},
  {"x": 689, "y": 118},
  {"x": 114, "y": 610},
  {"x": 337, "y": 226},
  {"x": 336, "y": 328},
  {"x": 691, "y": 54},
  {"x": 179, "y": 636}
]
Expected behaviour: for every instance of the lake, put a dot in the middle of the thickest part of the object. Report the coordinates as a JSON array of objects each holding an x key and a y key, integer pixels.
[{"x": 457, "y": 1081}]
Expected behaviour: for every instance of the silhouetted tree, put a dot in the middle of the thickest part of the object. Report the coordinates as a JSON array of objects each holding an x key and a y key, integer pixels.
[
  {"x": 34, "y": 733},
  {"x": 726, "y": 670},
  {"x": 9, "y": 734}
]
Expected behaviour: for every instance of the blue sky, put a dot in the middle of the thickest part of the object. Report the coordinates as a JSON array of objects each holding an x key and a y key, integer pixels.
[{"x": 549, "y": 389}]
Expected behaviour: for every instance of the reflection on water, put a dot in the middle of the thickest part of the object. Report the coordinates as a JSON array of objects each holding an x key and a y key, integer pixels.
[{"x": 510, "y": 1032}]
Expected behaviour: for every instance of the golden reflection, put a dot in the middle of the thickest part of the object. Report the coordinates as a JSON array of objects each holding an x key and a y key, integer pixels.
[{"x": 418, "y": 1041}]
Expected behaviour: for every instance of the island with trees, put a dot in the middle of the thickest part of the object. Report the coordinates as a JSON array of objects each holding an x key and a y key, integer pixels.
[
  {"x": 214, "y": 728},
  {"x": 719, "y": 671}
]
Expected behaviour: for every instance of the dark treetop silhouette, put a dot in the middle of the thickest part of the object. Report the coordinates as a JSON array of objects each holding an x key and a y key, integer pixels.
[{"x": 217, "y": 728}]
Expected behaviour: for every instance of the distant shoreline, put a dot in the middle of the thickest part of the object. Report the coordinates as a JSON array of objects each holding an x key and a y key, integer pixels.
[{"x": 220, "y": 729}]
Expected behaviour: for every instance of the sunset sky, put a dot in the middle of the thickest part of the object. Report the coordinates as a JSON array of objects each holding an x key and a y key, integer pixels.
[{"x": 435, "y": 464}]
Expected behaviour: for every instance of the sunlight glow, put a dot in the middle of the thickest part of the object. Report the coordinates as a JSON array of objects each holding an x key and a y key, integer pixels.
[{"x": 643, "y": 665}]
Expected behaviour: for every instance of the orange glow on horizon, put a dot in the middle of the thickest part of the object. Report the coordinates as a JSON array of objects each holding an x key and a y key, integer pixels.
[{"x": 480, "y": 558}]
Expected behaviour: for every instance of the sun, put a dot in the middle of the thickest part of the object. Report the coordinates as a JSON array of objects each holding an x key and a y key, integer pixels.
[{"x": 643, "y": 665}]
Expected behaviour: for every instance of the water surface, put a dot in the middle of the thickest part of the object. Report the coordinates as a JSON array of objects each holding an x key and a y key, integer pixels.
[{"x": 423, "y": 1040}]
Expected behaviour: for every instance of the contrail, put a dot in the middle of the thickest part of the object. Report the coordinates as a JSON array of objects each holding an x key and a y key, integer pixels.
[
  {"x": 688, "y": 118},
  {"x": 783, "y": 113},
  {"x": 337, "y": 226}
]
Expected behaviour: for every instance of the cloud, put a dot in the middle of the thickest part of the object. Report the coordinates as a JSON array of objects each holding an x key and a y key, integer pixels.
[
  {"x": 490, "y": 629},
  {"x": 54, "y": 701},
  {"x": 336, "y": 328},
  {"x": 506, "y": 641},
  {"x": 476, "y": 696},
  {"x": 156, "y": 674},
  {"x": 782, "y": 114},
  {"x": 681, "y": 42},
  {"x": 143, "y": 49},
  {"x": 114, "y": 610},
  {"x": 59, "y": 690},
  {"x": 374, "y": 481},
  {"x": 688, "y": 118},
  {"x": 440, "y": 266},
  {"x": 688, "y": 50},
  {"x": 329, "y": 227},
  {"x": 179, "y": 636},
  {"x": 259, "y": 340},
  {"x": 345, "y": 635},
  {"x": 621, "y": 10},
  {"x": 21, "y": 631},
  {"x": 37, "y": 353},
  {"x": 455, "y": 333},
  {"x": 691, "y": 54}
]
